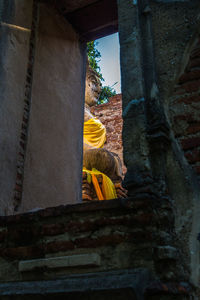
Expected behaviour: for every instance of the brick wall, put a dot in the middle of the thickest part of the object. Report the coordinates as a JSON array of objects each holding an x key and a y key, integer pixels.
[
  {"x": 110, "y": 114},
  {"x": 95, "y": 237},
  {"x": 129, "y": 233},
  {"x": 185, "y": 108}
]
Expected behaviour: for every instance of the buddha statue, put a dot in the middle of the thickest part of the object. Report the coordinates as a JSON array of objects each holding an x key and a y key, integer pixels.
[{"x": 102, "y": 170}]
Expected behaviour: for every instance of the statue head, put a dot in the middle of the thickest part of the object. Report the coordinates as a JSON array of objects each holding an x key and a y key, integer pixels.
[{"x": 92, "y": 86}]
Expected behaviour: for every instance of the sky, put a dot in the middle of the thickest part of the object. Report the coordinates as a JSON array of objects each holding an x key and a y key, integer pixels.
[{"x": 110, "y": 62}]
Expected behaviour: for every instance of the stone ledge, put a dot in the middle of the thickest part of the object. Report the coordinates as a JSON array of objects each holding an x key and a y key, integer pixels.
[
  {"x": 83, "y": 260},
  {"x": 122, "y": 204},
  {"x": 125, "y": 282}
]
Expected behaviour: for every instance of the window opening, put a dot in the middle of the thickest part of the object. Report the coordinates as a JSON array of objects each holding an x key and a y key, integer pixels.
[{"x": 103, "y": 167}]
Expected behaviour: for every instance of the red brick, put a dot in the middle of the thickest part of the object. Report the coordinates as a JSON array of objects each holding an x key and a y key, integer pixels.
[
  {"x": 52, "y": 229},
  {"x": 3, "y": 235},
  {"x": 186, "y": 117},
  {"x": 179, "y": 90},
  {"x": 25, "y": 120},
  {"x": 57, "y": 246},
  {"x": 23, "y": 234},
  {"x": 195, "y": 52},
  {"x": 19, "y": 176},
  {"x": 193, "y": 63},
  {"x": 139, "y": 236},
  {"x": 189, "y": 99},
  {"x": 23, "y": 137},
  {"x": 197, "y": 169},
  {"x": 22, "y": 145},
  {"x": 193, "y": 128},
  {"x": 22, "y": 252},
  {"x": 109, "y": 240},
  {"x": 189, "y": 76},
  {"x": 192, "y": 86},
  {"x": 21, "y": 154},
  {"x": 193, "y": 156},
  {"x": 18, "y": 188},
  {"x": 190, "y": 143},
  {"x": 113, "y": 240}
]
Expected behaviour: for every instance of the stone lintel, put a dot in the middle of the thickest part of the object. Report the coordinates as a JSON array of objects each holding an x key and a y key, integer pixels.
[{"x": 83, "y": 260}]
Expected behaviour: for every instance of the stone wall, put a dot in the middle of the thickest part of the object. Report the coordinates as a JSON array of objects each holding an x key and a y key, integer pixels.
[
  {"x": 15, "y": 31},
  {"x": 110, "y": 114},
  {"x": 174, "y": 24}
]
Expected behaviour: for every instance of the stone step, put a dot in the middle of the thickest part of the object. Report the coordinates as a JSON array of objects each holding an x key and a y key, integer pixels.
[
  {"x": 118, "y": 285},
  {"x": 132, "y": 284}
]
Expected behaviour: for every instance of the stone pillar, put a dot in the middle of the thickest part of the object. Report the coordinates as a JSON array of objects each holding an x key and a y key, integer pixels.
[
  {"x": 134, "y": 108},
  {"x": 145, "y": 132},
  {"x": 157, "y": 126},
  {"x": 16, "y": 19}
]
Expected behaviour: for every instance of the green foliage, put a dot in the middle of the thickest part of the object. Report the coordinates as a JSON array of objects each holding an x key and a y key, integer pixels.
[
  {"x": 106, "y": 93},
  {"x": 94, "y": 57}
]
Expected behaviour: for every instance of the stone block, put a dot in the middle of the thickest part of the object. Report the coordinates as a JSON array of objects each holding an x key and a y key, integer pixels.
[
  {"x": 83, "y": 260},
  {"x": 165, "y": 252}
]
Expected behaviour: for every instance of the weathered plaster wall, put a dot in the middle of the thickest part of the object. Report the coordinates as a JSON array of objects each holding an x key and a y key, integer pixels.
[
  {"x": 53, "y": 160},
  {"x": 16, "y": 19},
  {"x": 174, "y": 23}
]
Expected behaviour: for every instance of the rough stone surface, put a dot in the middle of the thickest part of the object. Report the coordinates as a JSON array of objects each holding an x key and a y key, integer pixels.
[
  {"x": 110, "y": 114},
  {"x": 14, "y": 48},
  {"x": 171, "y": 50},
  {"x": 53, "y": 159},
  {"x": 120, "y": 232},
  {"x": 77, "y": 261},
  {"x": 184, "y": 111},
  {"x": 129, "y": 284},
  {"x": 134, "y": 128}
]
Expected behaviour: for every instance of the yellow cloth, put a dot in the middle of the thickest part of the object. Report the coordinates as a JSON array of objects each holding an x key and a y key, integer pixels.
[
  {"x": 108, "y": 191},
  {"x": 94, "y": 133}
]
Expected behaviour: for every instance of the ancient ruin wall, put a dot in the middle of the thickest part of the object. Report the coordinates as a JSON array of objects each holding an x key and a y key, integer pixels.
[
  {"x": 174, "y": 23},
  {"x": 126, "y": 233},
  {"x": 110, "y": 114},
  {"x": 184, "y": 109}
]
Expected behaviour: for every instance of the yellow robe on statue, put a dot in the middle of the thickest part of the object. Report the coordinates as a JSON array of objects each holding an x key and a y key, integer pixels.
[
  {"x": 108, "y": 190},
  {"x": 94, "y": 133}
]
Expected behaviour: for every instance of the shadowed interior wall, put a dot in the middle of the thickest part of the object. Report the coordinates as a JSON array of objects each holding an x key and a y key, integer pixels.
[
  {"x": 53, "y": 160},
  {"x": 16, "y": 19}
]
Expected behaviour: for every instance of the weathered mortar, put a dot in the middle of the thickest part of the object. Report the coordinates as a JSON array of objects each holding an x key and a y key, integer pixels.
[{"x": 124, "y": 233}]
